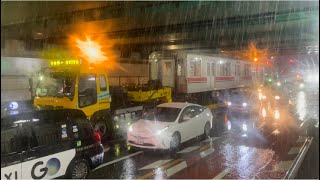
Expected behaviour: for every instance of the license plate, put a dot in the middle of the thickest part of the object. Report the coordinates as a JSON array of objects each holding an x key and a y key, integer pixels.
[{"x": 139, "y": 141}]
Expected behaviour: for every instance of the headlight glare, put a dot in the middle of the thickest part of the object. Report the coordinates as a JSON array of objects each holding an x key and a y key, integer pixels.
[{"x": 159, "y": 132}]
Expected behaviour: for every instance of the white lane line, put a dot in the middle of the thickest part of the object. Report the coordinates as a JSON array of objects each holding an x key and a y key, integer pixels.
[
  {"x": 294, "y": 150},
  {"x": 189, "y": 149},
  {"x": 222, "y": 173},
  {"x": 207, "y": 152},
  {"x": 176, "y": 168},
  {"x": 211, "y": 139},
  {"x": 155, "y": 164},
  {"x": 117, "y": 160},
  {"x": 228, "y": 141},
  {"x": 283, "y": 165},
  {"x": 301, "y": 139}
]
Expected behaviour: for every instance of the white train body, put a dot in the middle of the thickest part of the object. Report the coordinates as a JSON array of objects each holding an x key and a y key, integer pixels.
[{"x": 195, "y": 72}]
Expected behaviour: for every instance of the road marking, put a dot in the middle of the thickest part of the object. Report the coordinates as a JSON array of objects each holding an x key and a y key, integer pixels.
[
  {"x": 205, "y": 147},
  {"x": 207, "y": 152},
  {"x": 211, "y": 139},
  {"x": 228, "y": 141},
  {"x": 283, "y": 165},
  {"x": 294, "y": 150},
  {"x": 189, "y": 149},
  {"x": 117, "y": 160},
  {"x": 176, "y": 168},
  {"x": 301, "y": 139},
  {"x": 222, "y": 173},
  {"x": 165, "y": 166},
  {"x": 156, "y": 164}
]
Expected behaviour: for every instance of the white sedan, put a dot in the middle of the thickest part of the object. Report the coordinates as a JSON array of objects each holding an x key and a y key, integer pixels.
[{"x": 169, "y": 125}]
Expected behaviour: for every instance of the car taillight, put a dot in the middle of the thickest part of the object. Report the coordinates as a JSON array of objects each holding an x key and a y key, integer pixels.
[{"x": 98, "y": 137}]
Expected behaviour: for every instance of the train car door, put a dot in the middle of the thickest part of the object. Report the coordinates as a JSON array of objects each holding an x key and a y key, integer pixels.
[
  {"x": 209, "y": 85},
  {"x": 236, "y": 74},
  {"x": 167, "y": 74},
  {"x": 213, "y": 74}
]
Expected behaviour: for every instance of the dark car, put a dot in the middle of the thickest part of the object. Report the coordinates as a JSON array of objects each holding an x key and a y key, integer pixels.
[
  {"x": 239, "y": 102},
  {"x": 49, "y": 144}
]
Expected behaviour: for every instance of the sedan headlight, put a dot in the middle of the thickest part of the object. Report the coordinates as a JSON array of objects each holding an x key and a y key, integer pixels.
[
  {"x": 244, "y": 104},
  {"x": 159, "y": 132},
  {"x": 229, "y": 103}
]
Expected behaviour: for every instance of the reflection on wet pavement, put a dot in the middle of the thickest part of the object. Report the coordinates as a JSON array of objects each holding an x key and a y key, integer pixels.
[{"x": 301, "y": 105}]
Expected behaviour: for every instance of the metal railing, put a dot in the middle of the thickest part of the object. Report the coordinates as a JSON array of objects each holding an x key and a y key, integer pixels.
[
  {"x": 125, "y": 80},
  {"x": 293, "y": 171}
]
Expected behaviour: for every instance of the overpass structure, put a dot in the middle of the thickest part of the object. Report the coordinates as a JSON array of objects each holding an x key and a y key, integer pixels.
[{"x": 142, "y": 27}]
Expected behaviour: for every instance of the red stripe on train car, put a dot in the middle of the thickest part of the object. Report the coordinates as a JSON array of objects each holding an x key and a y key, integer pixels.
[
  {"x": 197, "y": 80},
  {"x": 225, "y": 78}
]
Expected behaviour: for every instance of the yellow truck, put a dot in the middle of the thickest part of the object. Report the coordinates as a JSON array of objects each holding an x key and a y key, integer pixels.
[{"x": 77, "y": 84}]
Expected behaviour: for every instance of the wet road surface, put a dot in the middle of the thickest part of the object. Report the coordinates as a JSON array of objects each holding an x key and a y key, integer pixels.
[{"x": 265, "y": 149}]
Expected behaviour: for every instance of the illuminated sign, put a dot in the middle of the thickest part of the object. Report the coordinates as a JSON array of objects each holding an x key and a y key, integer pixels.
[{"x": 65, "y": 62}]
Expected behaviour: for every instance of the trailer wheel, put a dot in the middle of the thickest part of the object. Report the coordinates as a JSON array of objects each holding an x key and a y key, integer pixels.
[{"x": 102, "y": 123}]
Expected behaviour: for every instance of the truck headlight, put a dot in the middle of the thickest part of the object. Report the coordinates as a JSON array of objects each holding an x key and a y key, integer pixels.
[
  {"x": 229, "y": 103},
  {"x": 244, "y": 104}
]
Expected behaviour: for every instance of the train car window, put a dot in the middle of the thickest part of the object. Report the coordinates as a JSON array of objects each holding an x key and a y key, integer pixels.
[
  {"x": 179, "y": 69},
  {"x": 213, "y": 70},
  {"x": 195, "y": 68},
  {"x": 103, "y": 84},
  {"x": 221, "y": 69},
  {"x": 228, "y": 69},
  {"x": 208, "y": 69}
]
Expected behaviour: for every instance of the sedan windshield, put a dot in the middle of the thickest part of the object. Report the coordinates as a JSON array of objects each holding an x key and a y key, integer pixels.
[{"x": 163, "y": 114}]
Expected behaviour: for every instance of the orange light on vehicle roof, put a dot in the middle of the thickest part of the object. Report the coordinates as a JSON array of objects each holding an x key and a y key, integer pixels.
[{"x": 90, "y": 50}]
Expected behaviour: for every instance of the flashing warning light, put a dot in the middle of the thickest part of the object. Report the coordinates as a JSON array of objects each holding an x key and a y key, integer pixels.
[
  {"x": 90, "y": 50},
  {"x": 65, "y": 62}
]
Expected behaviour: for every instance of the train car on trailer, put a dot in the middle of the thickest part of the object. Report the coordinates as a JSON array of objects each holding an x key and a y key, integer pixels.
[{"x": 202, "y": 77}]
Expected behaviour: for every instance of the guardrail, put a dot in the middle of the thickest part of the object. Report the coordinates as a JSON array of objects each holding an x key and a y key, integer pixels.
[{"x": 293, "y": 171}]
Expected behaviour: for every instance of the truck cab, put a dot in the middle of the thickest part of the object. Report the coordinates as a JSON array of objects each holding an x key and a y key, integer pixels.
[{"x": 72, "y": 84}]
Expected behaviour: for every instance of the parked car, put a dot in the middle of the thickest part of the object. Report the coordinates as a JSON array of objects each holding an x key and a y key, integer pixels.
[
  {"x": 169, "y": 125},
  {"x": 49, "y": 144}
]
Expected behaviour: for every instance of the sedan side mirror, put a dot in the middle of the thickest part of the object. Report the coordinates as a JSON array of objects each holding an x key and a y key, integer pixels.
[{"x": 186, "y": 118}]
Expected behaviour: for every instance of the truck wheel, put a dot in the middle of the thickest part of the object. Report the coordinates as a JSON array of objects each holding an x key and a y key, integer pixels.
[
  {"x": 101, "y": 128},
  {"x": 102, "y": 123}
]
